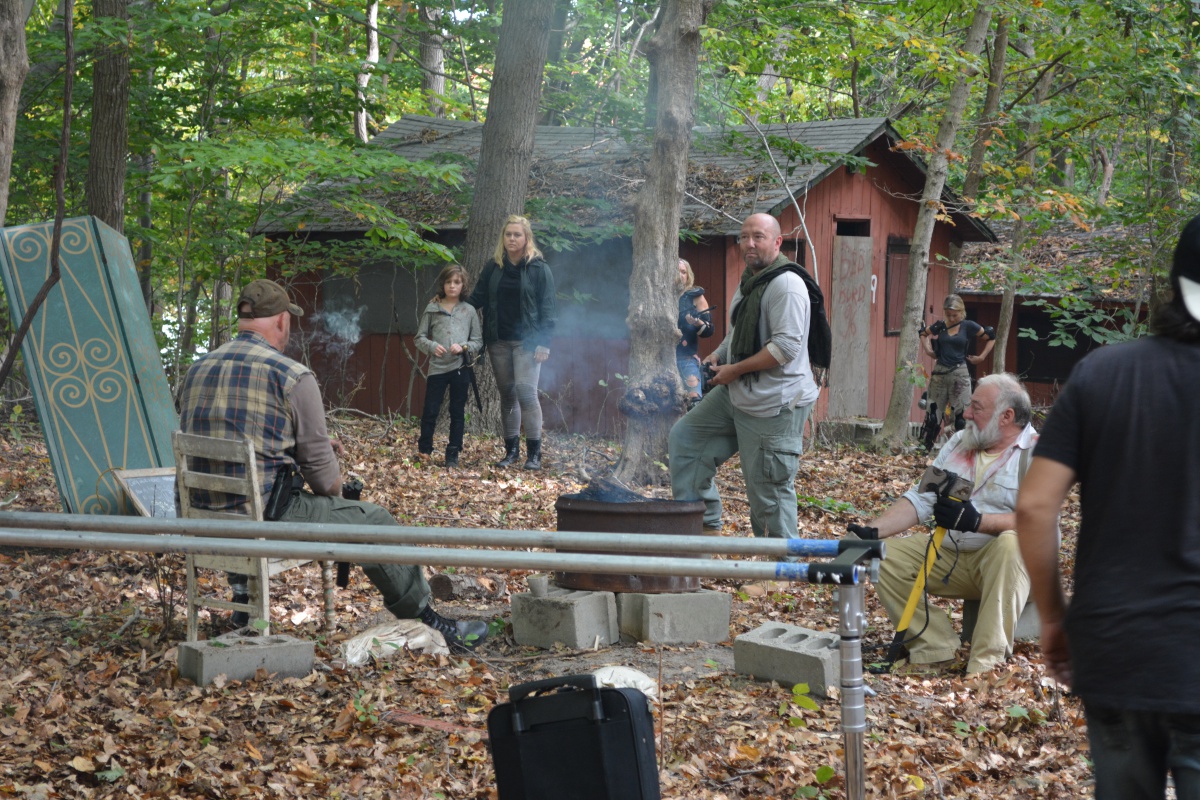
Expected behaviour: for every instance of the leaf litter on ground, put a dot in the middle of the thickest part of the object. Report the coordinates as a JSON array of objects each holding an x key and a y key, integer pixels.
[{"x": 93, "y": 705}]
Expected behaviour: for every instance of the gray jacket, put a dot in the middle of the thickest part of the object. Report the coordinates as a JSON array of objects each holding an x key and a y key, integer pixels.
[{"x": 461, "y": 326}]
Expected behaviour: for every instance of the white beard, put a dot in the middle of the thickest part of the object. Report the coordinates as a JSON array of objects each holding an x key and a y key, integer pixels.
[{"x": 976, "y": 439}]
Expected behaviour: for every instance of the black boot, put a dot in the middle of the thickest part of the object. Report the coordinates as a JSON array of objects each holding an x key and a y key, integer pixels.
[
  {"x": 451, "y": 457},
  {"x": 459, "y": 635},
  {"x": 240, "y": 619},
  {"x": 512, "y": 451},
  {"x": 534, "y": 447}
]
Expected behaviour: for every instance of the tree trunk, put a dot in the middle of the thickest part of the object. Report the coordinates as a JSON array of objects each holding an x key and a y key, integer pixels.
[
  {"x": 988, "y": 120},
  {"x": 109, "y": 144},
  {"x": 60, "y": 175},
  {"x": 14, "y": 66},
  {"x": 1020, "y": 235},
  {"x": 505, "y": 155},
  {"x": 554, "y": 54},
  {"x": 368, "y": 66},
  {"x": 145, "y": 248},
  {"x": 654, "y": 395},
  {"x": 433, "y": 71},
  {"x": 895, "y": 424}
]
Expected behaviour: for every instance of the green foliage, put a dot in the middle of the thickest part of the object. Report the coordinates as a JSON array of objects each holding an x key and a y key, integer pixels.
[
  {"x": 823, "y": 775},
  {"x": 1074, "y": 317},
  {"x": 801, "y": 700},
  {"x": 365, "y": 708}
]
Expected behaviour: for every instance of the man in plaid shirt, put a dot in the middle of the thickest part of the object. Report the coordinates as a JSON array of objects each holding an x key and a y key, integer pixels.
[{"x": 249, "y": 388}]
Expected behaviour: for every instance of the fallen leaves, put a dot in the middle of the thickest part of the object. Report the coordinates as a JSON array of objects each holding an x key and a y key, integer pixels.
[{"x": 91, "y": 704}]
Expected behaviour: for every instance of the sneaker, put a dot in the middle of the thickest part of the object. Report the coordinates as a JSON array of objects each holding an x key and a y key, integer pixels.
[
  {"x": 240, "y": 619},
  {"x": 460, "y": 635}
]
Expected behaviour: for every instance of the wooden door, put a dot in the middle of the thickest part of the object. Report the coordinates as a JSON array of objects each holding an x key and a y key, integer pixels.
[{"x": 850, "y": 319}]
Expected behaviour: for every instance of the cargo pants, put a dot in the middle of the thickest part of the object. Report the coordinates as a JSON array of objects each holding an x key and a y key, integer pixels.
[
  {"x": 770, "y": 447},
  {"x": 403, "y": 586}
]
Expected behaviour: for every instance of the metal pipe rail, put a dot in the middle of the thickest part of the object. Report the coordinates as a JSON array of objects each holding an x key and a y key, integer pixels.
[
  {"x": 329, "y": 543},
  {"x": 821, "y": 572},
  {"x": 401, "y": 534}
]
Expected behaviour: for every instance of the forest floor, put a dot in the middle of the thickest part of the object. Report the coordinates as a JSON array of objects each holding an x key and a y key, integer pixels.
[{"x": 92, "y": 704}]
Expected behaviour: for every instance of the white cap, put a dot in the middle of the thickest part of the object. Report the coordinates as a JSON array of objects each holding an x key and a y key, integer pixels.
[{"x": 1190, "y": 290}]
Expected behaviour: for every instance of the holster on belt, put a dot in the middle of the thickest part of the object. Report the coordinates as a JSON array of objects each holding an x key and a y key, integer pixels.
[{"x": 288, "y": 482}]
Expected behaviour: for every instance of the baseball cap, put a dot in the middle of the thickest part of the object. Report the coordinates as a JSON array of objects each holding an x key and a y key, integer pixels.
[
  {"x": 266, "y": 299},
  {"x": 1185, "y": 267}
]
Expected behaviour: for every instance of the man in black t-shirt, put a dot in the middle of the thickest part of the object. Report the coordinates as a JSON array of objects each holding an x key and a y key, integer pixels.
[{"x": 1126, "y": 427}]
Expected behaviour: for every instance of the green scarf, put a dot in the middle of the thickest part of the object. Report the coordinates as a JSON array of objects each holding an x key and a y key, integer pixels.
[{"x": 746, "y": 341}]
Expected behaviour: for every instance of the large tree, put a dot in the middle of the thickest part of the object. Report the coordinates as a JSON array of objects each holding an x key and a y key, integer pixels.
[
  {"x": 14, "y": 66},
  {"x": 895, "y": 425},
  {"x": 654, "y": 396},
  {"x": 506, "y": 153},
  {"x": 108, "y": 147}
]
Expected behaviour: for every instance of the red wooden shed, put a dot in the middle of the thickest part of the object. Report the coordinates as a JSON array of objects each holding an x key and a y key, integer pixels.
[{"x": 850, "y": 222}]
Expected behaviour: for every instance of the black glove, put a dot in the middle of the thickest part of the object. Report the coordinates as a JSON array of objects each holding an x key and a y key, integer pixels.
[
  {"x": 863, "y": 532},
  {"x": 956, "y": 515}
]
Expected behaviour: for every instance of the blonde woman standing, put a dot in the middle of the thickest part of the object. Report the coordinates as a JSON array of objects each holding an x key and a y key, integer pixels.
[
  {"x": 516, "y": 295},
  {"x": 948, "y": 341}
]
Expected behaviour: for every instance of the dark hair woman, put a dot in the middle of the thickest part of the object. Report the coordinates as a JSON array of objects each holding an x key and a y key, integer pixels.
[
  {"x": 449, "y": 332},
  {"x": 694, "y": 322},
  {"x": 948, "y": 340},
  {"x": 516, "y": 295}
]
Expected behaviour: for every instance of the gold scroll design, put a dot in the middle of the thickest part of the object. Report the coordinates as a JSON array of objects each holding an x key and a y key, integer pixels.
[{"x": 82, "y": 375}]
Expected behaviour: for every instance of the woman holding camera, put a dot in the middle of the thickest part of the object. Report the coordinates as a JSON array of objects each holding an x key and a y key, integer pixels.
[
  {"x": 695, "y": 321},
  {"x": 948, "y": 341},
  {"x": 516, "y": 295}
]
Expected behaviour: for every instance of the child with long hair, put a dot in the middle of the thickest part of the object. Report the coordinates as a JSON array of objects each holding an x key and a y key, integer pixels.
[{"x": 449, "y": 332}]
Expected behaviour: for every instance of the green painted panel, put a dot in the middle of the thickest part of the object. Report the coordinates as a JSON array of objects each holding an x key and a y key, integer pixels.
[{"x": 98, "y": 381}]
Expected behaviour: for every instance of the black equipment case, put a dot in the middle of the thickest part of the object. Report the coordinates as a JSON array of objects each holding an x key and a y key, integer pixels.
[{"x": 567, "y": 739}]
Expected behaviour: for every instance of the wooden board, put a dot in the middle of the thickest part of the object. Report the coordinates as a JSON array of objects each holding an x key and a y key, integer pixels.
[{"x": 850, "y": 319}]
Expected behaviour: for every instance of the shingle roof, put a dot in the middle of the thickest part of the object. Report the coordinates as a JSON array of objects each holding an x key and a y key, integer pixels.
[{"x": 729, "y": 176}]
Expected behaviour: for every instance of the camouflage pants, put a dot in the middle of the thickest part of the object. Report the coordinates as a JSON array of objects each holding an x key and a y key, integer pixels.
[{"x": 951, "y": 389}]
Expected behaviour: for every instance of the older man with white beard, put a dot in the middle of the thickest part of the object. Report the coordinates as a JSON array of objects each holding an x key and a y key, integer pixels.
[{"x": 979, "y": 558}]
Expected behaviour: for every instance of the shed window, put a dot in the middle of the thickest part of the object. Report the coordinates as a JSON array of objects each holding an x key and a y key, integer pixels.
[
  {"x": 897, "y": 284},
  {"x": 854, "y": 227},
  {"x": 794, "y": 249}
]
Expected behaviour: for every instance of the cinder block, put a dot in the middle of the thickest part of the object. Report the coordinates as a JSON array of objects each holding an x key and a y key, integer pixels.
[
  {"x": 1029, "y": 624},
  {"x": 675, "y": 618},
  {"x": 789, "y": 654},
  {"x": 238, "y": 657},
  {"x": 574, "y": 618}
]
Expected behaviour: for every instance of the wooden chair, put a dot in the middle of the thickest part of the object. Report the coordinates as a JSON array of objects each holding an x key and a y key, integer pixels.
[{"x": 259, "y": 570}]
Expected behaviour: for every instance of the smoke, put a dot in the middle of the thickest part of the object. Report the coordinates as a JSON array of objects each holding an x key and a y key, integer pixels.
[{"x": 336, "y": 329}]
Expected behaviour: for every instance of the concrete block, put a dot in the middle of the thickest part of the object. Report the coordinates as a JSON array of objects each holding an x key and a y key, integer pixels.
[
  {"x": 789, "y": 654},
  {"x": 239, "y": 657},
  {"x": 1029, "y": 624},
  {"x": 675, "y": 618},
  {"x": 573, "y": 618}
]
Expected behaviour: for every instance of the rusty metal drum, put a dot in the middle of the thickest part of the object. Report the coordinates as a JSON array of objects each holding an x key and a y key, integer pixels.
[{"x": 663, "y": 517}]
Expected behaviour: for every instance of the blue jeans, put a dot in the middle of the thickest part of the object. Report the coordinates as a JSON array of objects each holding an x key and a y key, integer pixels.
[
  {"x": 459, "y": 382},
  {"x": 1133, "y": 751},
  {"x": 689, "y": 373},
  {"x": 709, "y": 434}
]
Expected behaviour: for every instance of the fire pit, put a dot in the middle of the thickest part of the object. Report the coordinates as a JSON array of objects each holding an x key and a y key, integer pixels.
[{"x": 607, "y": 507}]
